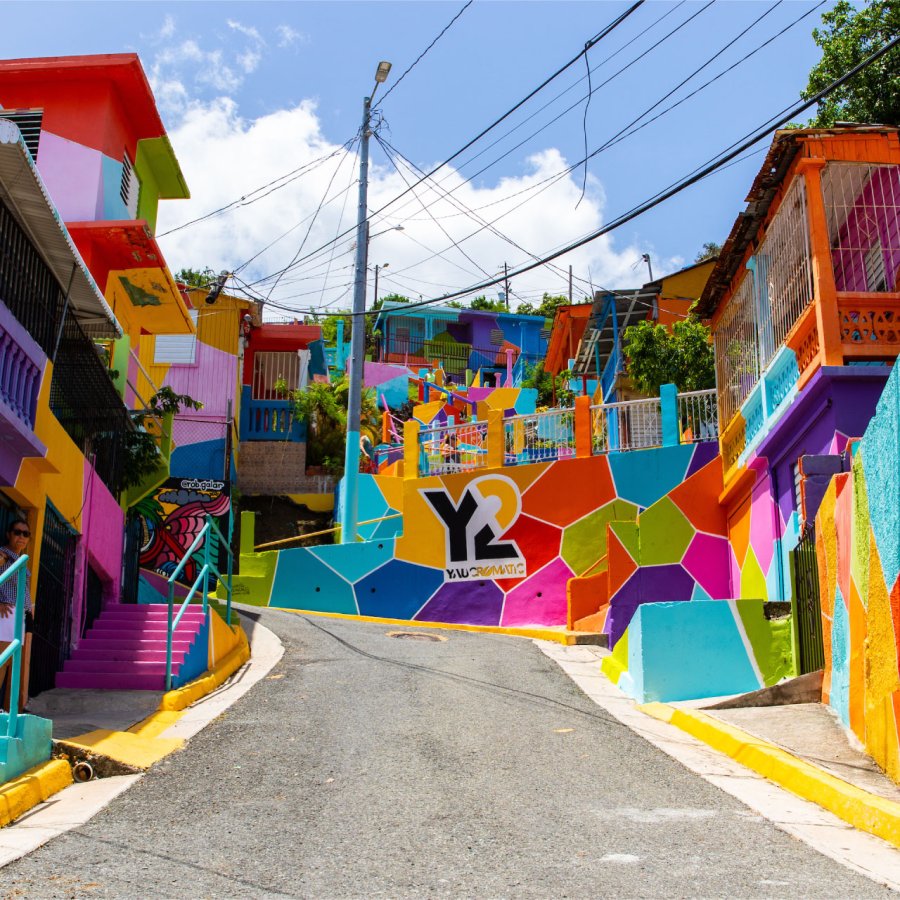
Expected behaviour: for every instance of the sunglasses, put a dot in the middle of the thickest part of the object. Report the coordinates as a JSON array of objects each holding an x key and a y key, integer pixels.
[{"x": 19, "y": 533}]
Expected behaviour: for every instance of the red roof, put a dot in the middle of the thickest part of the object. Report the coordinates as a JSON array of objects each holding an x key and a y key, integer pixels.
[
  {"x": 72, "y": 89},
  {"x": 568, "y": 328}
]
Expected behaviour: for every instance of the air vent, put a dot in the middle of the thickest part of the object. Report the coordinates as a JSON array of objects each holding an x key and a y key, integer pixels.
[
  {"x": 29, "y": 123},
  {"x": 130, "y": 187}
]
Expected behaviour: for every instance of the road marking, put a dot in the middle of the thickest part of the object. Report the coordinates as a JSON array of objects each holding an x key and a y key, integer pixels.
[{"x": 821, "y": 830}]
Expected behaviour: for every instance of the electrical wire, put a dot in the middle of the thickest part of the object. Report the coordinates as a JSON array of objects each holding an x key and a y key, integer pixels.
[
  {"x": 717, "y": 162},
  {"x": 245, "y": 201},
  {"x": 418, "y": 59},
  {"x": 588, "y": 45}
]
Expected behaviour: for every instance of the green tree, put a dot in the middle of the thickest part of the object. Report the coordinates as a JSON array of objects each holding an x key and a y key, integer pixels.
[
  {"x": 710, "y": 250},
  {"x": 683, "y": 357},
  {"x": 548, "y": 306},
  {"x": 850, "y": 34},
  {"x": 323, "y": 407},
  {"x": 482, "y": 302},
  {"x": 195, "y": 278},
  {"x": 537, "y": 377}
]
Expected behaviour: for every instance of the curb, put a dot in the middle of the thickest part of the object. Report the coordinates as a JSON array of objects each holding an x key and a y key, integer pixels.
[
  {"x": 859, "y": 808},
  {"x": 567, "y": 638},
  {"x": 32, "y": 787}
]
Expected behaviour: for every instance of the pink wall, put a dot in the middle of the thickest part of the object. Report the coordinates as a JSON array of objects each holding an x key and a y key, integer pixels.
[
  {"x": 102, "y": 530},
  {"x": 73, "y": 174},
  {"x": 212, "y": 380}
]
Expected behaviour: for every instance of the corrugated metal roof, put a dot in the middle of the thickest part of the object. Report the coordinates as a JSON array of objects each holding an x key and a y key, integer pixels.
[{"x": 24, "y": 191}]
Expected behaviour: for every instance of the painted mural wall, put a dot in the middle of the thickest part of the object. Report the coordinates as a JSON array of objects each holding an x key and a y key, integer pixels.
[
  {"x": 173, "y": 516},
  {"x": 858, "y": 548},
  {"x": 501, "y": 546}
]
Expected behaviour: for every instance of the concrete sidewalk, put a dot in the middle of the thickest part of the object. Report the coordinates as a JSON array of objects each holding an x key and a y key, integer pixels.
[{"x": 812, "y": 732}]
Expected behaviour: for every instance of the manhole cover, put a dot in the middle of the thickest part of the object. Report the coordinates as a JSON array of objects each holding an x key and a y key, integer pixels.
[{"x": 415, "y": 636}]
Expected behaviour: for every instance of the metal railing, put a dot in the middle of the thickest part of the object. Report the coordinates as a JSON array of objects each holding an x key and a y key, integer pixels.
[
  {"x": 200, "y": 583},
  {"x": 862, "y": 206},
  {"x": 539, "y": 437},
  {"x": 698, "y": 418},
  {"x": 447, "y": 449},
  {"x": 13, "y": 653},
  {"x": 269, "y": 420},
  {"x": 737, "y": 350},
  {"x": 628, "y": 425}
]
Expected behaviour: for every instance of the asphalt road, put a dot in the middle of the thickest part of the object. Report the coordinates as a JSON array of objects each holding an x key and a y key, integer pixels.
[{"x": 367, "y": 766}]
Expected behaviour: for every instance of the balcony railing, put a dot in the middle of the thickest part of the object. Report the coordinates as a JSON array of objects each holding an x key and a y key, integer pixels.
[
  {"x": 270, "y": 420},
  {"x": 629, "y": 425},
  {"x": 560, "y": 434},
  {"x": 447, "y": 449},
  {"x": 20, "y": 370},
  {"x": 543, "y": 436}
]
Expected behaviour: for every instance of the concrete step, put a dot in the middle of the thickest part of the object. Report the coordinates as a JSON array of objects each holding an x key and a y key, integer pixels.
[
  {"x": 111, "y": 681},
  {"x": 122, "y": 644},
  {"x": 146, "y": 667},
  {"x": 183, "y": 632},
  {"x": 128, "y": 654}
]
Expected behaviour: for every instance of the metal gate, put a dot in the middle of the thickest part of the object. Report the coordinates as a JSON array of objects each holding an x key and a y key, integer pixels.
[
  {"x": 807, "y": 604},
  {"x": 53, "y": 603},
  {"x": 131, "y": 560}
]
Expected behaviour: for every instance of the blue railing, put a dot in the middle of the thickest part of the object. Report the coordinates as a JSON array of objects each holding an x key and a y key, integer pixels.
[
  {"x": 14, "y": 650},
  {"x": 200, "y": 583},
  {"x": 270, "y": 420}
]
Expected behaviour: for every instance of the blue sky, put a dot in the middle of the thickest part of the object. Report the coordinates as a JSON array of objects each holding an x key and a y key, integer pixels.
[{"x": 250, "y": 91}]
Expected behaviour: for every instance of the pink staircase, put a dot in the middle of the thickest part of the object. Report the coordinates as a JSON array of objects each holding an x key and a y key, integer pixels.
[{"x": 125, "y": 649}]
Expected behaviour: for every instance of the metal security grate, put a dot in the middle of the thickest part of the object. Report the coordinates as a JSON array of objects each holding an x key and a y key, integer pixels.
[
  {"x": 805, "y": 569},
  {"x": 27, "y": 285},
  {"x": 862, "y": 205},
  {"x": 53, "y": 602},
  {"x": 129, "y": 187},
  {"x": 737, "y": 351},
  {"x": 85, "y": 401},
  {"x": 29, "y": 122}
]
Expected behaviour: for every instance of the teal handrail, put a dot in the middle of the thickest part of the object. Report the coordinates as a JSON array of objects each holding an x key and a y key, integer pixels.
[
  {"x": 207, "y": 569},
  {"x": 14, "y": 650}
]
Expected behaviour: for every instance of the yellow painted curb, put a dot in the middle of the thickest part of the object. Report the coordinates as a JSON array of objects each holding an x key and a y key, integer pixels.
[
  {"x": 560, "y": 635},
  {"x": 136, "y": 750},
  {"x": 859, "y": 808},
  {"x": 32, "y": 787},
  {"x": 183, "y": 697}
]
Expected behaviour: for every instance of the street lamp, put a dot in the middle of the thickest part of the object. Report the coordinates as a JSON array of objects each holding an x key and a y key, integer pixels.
[{"x": 350, "y": 493}]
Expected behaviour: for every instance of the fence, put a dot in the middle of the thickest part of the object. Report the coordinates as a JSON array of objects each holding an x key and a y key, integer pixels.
[
  {"x": 447, "y": 449},
  {"x": 629, "y": 425},
  {"x": 586, "y": 430},
  {"x": 698, "y": 417},
  {"x": 543, "y": 436},
  {"x": 13, "y": 651}
]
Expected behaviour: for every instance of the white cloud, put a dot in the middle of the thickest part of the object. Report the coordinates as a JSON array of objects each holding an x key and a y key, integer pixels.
[
  {"x": 246, "y": 30},
  {"x": 225, "y": 156},
  {"x": 167, "y": 29},
  {"x": 288, "y": 35}
]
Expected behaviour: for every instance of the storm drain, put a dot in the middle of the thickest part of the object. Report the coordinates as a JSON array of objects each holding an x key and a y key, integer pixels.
[{"x": 415, "y": 636}]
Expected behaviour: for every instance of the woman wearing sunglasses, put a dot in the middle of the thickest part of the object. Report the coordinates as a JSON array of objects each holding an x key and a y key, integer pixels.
[{"x": 17, "y": 537}]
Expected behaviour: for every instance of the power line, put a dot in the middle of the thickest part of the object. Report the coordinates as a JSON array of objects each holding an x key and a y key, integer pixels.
[
  {"x": 676, "y": 188},
  {"x": 588, "y": 45},
  {"x": 245, "y": 201},
  {"x": 418, "y": 59}
]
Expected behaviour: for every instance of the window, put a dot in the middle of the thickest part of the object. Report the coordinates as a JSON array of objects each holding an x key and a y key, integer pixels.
[
  {"x": 876, "y": 278},
  {"x": 177, "y": 349},
  {"x": 271, "y": 367},
  {"x": 130, "y": 188},
  {"x": 29, "y": 122}
]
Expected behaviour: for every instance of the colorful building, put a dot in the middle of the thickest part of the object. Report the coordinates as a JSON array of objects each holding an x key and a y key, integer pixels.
[
  {"x": 461, "y": 341},
  {"x": 599, "y": 356},
  {"x": 66, "y": 430},
  {"x": 802, "y": 301}
]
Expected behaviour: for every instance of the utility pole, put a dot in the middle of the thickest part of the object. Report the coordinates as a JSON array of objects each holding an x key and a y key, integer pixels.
[
  {"x": 350, "y": 492},
  {"x": 570, "y": 293},
  {"x": 646, "y": 258},
  {"x": 506, "y": 284}
]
